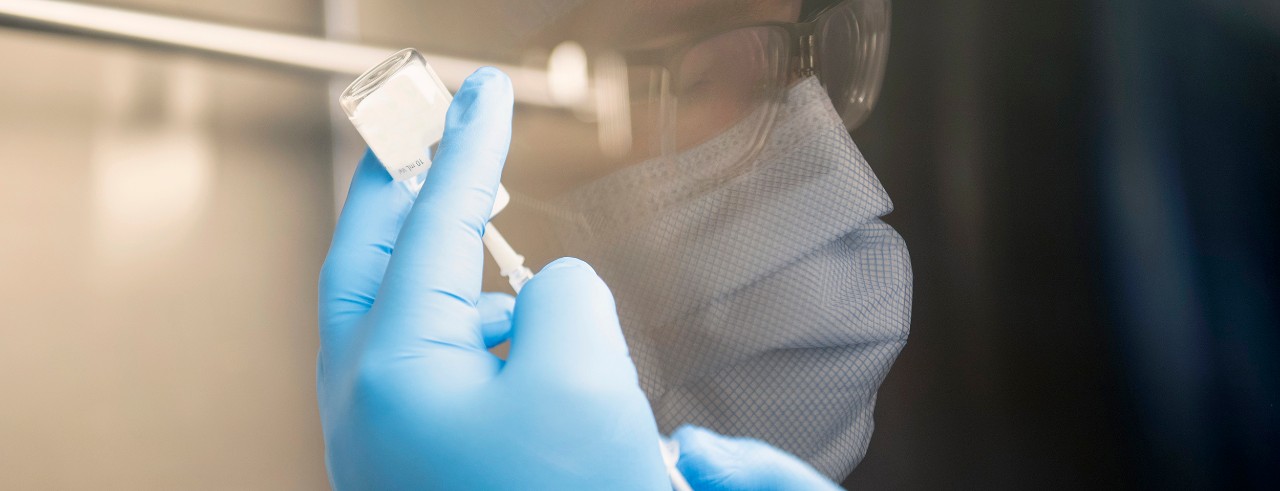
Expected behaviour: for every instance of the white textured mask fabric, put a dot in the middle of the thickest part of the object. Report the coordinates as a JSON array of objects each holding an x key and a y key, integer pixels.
[{"x": 770, "y": 304}]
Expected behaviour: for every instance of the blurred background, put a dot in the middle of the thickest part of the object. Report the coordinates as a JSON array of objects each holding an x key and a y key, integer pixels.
[{"x": 1088, "y": 190}]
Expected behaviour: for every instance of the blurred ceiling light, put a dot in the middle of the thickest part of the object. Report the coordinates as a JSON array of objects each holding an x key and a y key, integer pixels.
[
  {"x": 284, "y": 49},
  {"x": 567, "y": 75},
  {"x": 152, "y": 157}
]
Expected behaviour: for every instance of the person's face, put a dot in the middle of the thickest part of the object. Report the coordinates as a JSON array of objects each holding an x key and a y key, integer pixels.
[{"x": 713, "y": 79}]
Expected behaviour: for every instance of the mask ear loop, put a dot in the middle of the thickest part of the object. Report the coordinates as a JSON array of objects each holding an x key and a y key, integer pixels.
[{"x": 563, "y": 214}]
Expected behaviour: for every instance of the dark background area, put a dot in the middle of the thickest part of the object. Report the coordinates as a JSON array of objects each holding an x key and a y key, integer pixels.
[{"x": 1088, "y": 193}]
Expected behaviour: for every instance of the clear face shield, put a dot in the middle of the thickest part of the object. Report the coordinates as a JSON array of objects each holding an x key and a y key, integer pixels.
[{"x": 712, "y": 182}]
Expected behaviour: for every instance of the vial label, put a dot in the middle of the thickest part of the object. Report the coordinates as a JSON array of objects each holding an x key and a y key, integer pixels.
[{"x": 403, "y": 117}]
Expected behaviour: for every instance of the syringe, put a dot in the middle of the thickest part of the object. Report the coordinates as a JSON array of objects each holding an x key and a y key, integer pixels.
[
  {"x": 510, "y": 265},
  {"x": 399, "y": 108}
]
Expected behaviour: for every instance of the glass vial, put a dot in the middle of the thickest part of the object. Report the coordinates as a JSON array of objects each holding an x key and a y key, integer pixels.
[{"x": 399, "y": 108}]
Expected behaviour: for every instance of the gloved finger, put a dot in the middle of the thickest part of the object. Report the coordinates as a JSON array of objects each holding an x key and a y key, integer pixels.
[
  {"x": 709, "y": 460},
  {"x": 495, "y": 317},
  {"x": 433, "y": 280},
  {"x": 363, "y": 240},
  {"x": 565, "y": 328}
]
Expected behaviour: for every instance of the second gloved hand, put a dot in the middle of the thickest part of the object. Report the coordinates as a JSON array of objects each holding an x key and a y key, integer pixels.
[
  {"x": 410, "y": 397},
  {"x": 711, "y": 462}
]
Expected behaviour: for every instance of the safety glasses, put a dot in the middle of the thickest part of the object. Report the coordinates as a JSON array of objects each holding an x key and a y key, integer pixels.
[{"x": 732, "y": 81}]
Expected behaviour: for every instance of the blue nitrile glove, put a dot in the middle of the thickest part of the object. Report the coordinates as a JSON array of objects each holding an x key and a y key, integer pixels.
[
  {"x": 410, "y": 398},
  {"x": 712, "y": 462}
]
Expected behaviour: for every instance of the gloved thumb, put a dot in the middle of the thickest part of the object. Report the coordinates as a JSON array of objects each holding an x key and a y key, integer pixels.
[
  {"x": 495, "y": 317},
  {"x": 565, "y": 326},
  {"x": 710, "y": 461}
]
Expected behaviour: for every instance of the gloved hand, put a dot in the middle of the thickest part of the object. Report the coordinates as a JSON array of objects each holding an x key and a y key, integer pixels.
[
  {"x": 409, "y": 396},
  {"x": 711, "y": 462}
]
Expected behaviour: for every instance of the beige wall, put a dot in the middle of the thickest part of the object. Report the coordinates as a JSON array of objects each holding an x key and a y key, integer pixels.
[{"x": 162, "y": 221}]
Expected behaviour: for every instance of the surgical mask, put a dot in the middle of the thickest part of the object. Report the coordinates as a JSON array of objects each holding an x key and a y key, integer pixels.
[{"x": 765, "y": 298}]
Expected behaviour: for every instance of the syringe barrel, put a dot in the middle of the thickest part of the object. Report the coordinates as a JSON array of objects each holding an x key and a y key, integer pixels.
[{"x": 506, "y": 257}]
